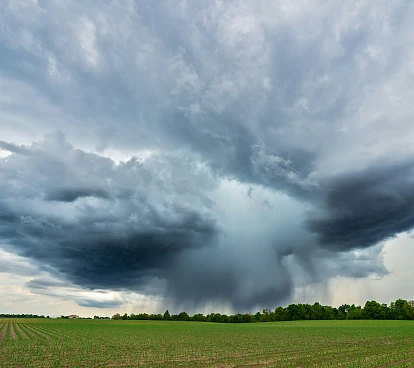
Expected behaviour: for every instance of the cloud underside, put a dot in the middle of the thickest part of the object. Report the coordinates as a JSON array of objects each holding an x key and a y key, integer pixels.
[
  {"x": 211, "y": 152},
  {"x": 189, "y": 236}
]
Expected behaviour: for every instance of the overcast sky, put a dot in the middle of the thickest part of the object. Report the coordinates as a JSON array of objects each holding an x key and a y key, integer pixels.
[{"x": 204, "y": 155}]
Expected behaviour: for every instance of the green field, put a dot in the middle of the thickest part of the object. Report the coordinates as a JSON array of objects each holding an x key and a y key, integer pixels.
[{"x": 95, "y": 343}]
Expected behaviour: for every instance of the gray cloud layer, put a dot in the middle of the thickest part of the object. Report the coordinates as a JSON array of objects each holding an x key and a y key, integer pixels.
[{"x": 309, "y": 105}]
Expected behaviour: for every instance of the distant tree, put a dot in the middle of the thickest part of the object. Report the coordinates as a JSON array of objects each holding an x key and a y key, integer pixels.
[
  {"x": 156, "y": 317},
  {"x": 375, "y": 310},
  {"x": 355, "y": 312},
  {"x": 281, "y": 314},
  {"x": 294, "y": 312},
  {"x": 266, "y": 315},
  {"x": 305, "y": 311},
  {"x": 408, "y": 311},
  {"x": 183, "y": 316},
  {"x": 216, "y": 317},
  {"x": 396, "y": 309},
  {"x": 316, "y": 311},
  {"x": 340, "y": 315},
  {"x": 198, "y": 317},
  {"x": 116, "y": 316},
  {"x": 166, "y": 315},
  {"x": 344, "y": 309},
  {"x": 247, "y": 318},
  {"x": 328, "y": 312},
  {"x": 224, "y": 318}
]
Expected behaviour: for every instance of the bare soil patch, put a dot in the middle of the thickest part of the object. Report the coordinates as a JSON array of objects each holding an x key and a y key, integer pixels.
[
  {"x": 3, "y": 332},
  {"x": 20, "y": 331},
  {"x": 13, "y": 335}
]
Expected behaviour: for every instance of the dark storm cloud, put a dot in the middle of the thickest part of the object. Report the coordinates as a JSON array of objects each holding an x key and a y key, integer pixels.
[
  {"x": 225, "y": 278},
  {"x": 118, "y": 243},
  {"x": 72, "y": 194},
  {"x": 365, "y": 207},
  {"x": 98, "y": 304},
  {"x": 95, "y": 255},
  {"x": 45, "y": 284},
  {"x": 154, "y": 233}
]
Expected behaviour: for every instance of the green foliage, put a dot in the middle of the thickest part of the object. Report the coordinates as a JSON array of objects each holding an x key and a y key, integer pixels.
[
  {"x": 375, "y": 310},
  {"x": 400, "y": 309},
  {"x": 6, "y": 315},
  {"x": 166, "y": 315}
]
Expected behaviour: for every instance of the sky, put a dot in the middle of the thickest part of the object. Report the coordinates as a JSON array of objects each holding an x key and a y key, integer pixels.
[{"x": 207, "y": 156}]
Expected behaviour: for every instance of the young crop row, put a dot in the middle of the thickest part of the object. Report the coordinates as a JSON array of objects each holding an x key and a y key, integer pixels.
[
  {"x": 188, "y": 344},
  {"x": 15, "y": 329}
]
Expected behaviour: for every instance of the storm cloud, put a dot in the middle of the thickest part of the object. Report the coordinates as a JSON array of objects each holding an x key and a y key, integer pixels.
[
  {"x": 366, "y": 207},
  {"x": 220, "y": 153},
  {"x": 130, "y": 234}
]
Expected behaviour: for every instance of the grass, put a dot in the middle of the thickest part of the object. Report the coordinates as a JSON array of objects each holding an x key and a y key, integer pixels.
[{"x": 97, "y": 343}]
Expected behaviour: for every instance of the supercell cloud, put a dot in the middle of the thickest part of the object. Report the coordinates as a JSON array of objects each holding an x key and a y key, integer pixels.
[{"x": 204, "y": 152}]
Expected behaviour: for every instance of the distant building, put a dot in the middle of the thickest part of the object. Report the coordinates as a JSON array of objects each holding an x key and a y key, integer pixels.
[{"x": 72, "y": 316}]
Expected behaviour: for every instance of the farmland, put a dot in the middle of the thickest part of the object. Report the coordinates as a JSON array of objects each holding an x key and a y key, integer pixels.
[{"x": 93, "y": 343}]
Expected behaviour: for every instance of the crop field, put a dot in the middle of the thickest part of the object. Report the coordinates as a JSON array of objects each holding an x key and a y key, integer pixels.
[{"x": 96, "y": 343}]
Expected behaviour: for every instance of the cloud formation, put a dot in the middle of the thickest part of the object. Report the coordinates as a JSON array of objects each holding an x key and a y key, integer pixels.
[
  {"x": 114, "y": 224},
  {"x": 209, "y": 152},
  {"x": 368, "y": 206}
]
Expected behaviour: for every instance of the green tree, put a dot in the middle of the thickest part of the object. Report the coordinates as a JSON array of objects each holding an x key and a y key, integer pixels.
[
  {"x": 328, "y": 312},
  {"x": 355, "y": 312},
  {"x": 344, "y": 308},
  {"x": 224, "y": 318},
  {"x": 375, "y": 310},
  {"x": 247, "y": 318},
  {"x": 397, "y": 310},
  {"x": 340, "y": 315},
  {"x": 183, "y": 316},
  {"x": 408, "y": 311},
  {"x": 294, "y": 312},
  {"x": 281, "y": 314},
  {"x": 266, "y": 316},
  {"x": 316, "y": 311},
  {"x": 167, "y": 315}
]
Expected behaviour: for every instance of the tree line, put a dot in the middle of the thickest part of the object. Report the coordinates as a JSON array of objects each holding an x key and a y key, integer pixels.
[
  {"x": 6, "y": 315},
  {"x": 398, "y": 310}
]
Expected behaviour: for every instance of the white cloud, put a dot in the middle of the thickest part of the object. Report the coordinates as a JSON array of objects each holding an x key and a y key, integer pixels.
[{"x": 86, "y": 34}]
